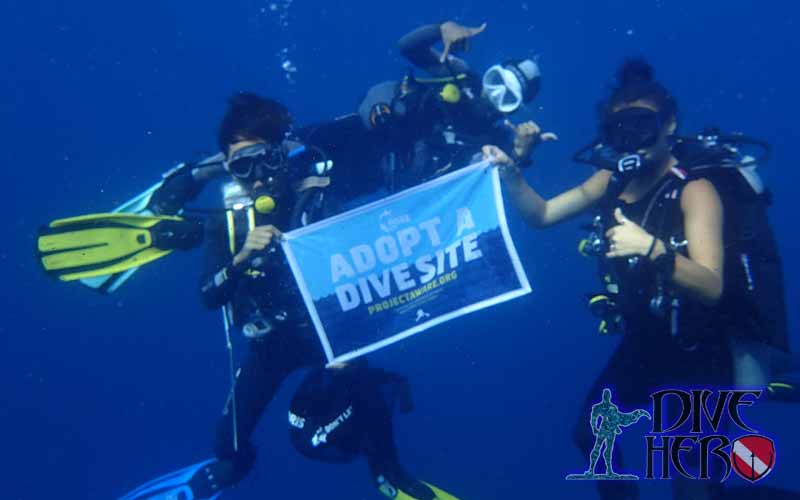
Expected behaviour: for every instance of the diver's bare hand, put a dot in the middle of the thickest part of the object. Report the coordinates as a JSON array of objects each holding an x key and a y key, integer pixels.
[
  {"x": 496, "y": 155},
  {"x": 258, "y": 239},
  {"x": 507, "y": 166},
  {"x": 454, "y": 33},
  {"x": 628, "y": 238},
  {"x": 527, "y": 135}
]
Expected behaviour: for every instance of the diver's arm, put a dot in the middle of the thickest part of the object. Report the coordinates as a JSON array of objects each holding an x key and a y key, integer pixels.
[
  {"x": 218, "y": 284},
  {"x": 417, "y": 47},
  {"x": 700, "y": 274},
  {"x": 217, "y": 289},
  {"x": 538, "y": 212},
  {"x": 182, "y": 185}
]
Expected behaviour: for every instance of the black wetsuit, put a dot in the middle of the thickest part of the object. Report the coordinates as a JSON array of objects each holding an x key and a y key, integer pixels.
[
  {"x": 423, "y": 136},
  {"x": 656, "y": 351},
  {"x": 417, "y": 47},
  {"x": 443, "y": 135},
  {"x": 338, "y": 415},
  {"x": 260, "y": 291},
  {"x": 268, "y": 291}
]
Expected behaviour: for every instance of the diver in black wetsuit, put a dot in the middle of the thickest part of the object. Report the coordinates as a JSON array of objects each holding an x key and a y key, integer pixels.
[
  {"x": 663, "y": 251},
  {"x": 248, "y": 276},
  {"x": 426, "y": 127}
]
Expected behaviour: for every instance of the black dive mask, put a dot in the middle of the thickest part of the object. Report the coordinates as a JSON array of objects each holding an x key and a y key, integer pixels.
[
  {"x": 631, "y": 130},
  {"x": 622, "y": 136},
  {"x": 257, "y": 162},
  {"x": 265, "y": 163}
]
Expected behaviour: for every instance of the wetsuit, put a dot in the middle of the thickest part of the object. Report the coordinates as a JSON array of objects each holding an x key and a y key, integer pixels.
[
  {"x": 449, "y": 133},
  {"x": 411, "y": 134},
  {"x": 418, "y": 48},
  {"x": 261, "y": 292},
  {"x": 678, "y": 347},
  {"x": 260, "y": 296},
  {"x": 339, "y": 415}
]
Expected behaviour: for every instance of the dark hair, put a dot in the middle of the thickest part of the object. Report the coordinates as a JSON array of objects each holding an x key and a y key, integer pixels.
[
  {"x": 636, "y": 81},
  {"x": 252, "y": 117}
]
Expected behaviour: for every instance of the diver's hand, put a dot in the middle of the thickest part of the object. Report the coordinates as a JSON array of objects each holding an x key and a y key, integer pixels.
[
  {"x": 527, "y": 135},
  {"x": 454, "y": 33},
  {"x": 508, "y": 168},
  {"x": 496, "y": 155},
  {"x": 258, "y": 239},
  {"x": 628, "y": 238}
]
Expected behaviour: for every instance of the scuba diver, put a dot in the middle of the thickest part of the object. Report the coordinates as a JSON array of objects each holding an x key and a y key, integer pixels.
[
  {"x": 276, "y": 183},
  {"x": 343, "y": 412},
  {"x": 664, "y": 253},
  {"x": 251, "y": 280},
  {"x": 422, "y": 128}
]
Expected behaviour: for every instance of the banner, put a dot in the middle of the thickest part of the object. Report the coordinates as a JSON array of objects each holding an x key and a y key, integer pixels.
[{"x": 396, "y": 267}]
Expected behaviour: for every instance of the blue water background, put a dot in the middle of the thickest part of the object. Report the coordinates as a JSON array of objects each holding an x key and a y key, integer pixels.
[{"x": 99, "y": 98}]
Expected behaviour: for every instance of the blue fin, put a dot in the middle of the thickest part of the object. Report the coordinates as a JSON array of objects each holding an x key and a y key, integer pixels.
[{"x": 172, "y": 486}]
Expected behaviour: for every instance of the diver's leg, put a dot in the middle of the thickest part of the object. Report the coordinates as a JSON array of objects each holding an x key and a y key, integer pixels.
[
  {"x": 710, "y": 367},
  {"x": 381, "y": 450},
  {"x": 269, "y": 362}
]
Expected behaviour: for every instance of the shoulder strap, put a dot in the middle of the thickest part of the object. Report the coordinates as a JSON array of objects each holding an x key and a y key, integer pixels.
[{"x": 669, "y": 191}]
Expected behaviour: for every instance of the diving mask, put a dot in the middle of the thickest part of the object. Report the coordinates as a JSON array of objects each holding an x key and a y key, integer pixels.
[
  {"x": 258, "y": 161},
  {"x": 631, "y": 130},
  {"x": 511, "y": 84},
  {"x": 626, "y": 142},
  {"x": 503, "y": 89}
]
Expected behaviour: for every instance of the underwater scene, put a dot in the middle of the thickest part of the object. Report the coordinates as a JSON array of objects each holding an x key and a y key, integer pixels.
[{"x": 358, "y": 250}]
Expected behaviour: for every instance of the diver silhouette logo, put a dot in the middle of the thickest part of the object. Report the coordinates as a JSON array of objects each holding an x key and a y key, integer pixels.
[
  {"x": 606, "y": 432},
  {"x": 421, "y": 314}
]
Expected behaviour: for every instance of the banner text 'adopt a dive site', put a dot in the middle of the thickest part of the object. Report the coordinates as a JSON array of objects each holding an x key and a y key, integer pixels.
[{"x": 396, "y": 267}]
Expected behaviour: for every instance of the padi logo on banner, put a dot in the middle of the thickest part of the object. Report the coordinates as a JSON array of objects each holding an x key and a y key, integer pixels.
[{"x": 690, "y": 437}]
